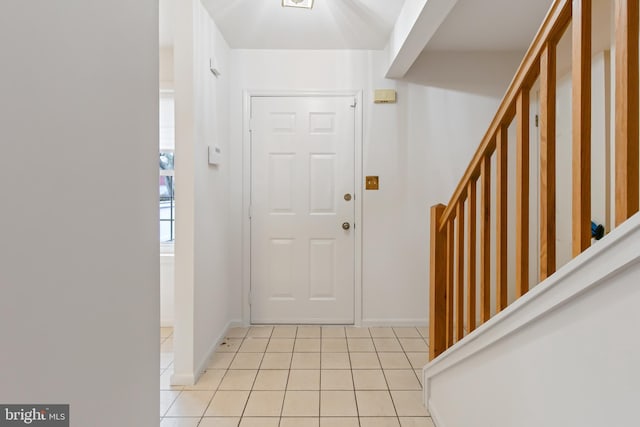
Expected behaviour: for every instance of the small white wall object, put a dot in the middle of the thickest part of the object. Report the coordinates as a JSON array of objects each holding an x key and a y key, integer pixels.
[
  {"x": 213, "y": 69},
  {"x": 384, "y": 96},
  {"x": 215, "y": 155}
]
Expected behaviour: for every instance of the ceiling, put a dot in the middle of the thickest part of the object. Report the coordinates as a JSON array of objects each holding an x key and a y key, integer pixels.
[
  {"x": 331, "y": 24},
  {"x": 506, "y": 25}
]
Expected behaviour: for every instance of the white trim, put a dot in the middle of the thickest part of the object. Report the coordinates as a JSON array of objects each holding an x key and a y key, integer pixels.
[
  {"x": 435, "y": 417},
  {"x": 192, "y": 379},
  {"x": 614, "y": 253},
  {"x": 368, "y": 323},
  {"x": 246, "y": 191}
]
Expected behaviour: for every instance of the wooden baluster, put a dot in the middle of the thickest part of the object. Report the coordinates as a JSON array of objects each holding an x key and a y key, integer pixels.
[
  {"x": 450, "y": 279},
  {"x": 438, "y": 284},
  {"x": 501, "y": 218},
  {"x": 485, "y": 240},
  {"x": 581, "y": 125},
  {"x": 548, "y": 161},
  {"x": 460, "y": 271},
  {"x": 522, "y": 193},
  {"x": 471, "y": 256},
  {"x": 626, "y": 109}
]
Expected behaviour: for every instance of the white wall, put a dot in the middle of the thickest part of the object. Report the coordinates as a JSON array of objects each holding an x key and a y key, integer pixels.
[
  {"x": 202, "y": 191},
  {"x": 417, "y": 147},
  {"x": 79, "y": 308},
  {"x": 563, "y": 355}
]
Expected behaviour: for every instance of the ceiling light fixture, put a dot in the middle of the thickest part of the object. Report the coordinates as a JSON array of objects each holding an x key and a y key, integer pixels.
[{"x": 306, "y": 4}]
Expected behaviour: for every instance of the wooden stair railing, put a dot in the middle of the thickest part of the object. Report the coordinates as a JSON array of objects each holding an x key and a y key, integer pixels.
[{"x": 453, "y": 254}]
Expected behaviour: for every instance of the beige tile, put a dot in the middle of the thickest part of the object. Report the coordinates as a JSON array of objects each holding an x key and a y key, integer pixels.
[
  {"x": 334, "y": 345},
  {"x": 364, "y": 361},
  {"x": 361, "y": 345},
  {"x": 260, "y": 331},
  {"x": 304, "y": 380},
  {"x": 379, "y": 422},
  {"x": 166, "y": 332},
  {"x": 166, "y": 359},
  {"x": 227, "y": 404},
  {"x": 238, "y": 380},
  {"x": 230, "y": 345},
  {"x": 165, "y": 381},
  {"x": 419, "y": 374},
  {"x": 414, "y": 345},
  {"x": 339, "y": 422},
  {"x": 375, "y": 404},
  {"x": 336, "y": 379},
  {"x": 264, "y": 404},
  {"x": 407, "y": 332},
  {"x": 305, "y": 361},
  {"x": 254, "y": 345},
  {"x": 337, "y": 404},
  {"x": 167, "y": 397},
  {"x": 402, "y": 379},
  {"x": 280, "y": 345},
  {"x": 301, "y": 404},
  {"x": 209, "y": 380},
  {"x": 219, "y": 422},
  {"x": 307, "y": 345},
  {"x": 335, "y": 361},
  {"x": 190, "y": 404},
  {"x": 246, "y": 361},
  {"x": 284, "y": 331},
  {"x": 418, "y": 360},
  {"x": 269, "y": 379},
  {"x": 259, "y": 422},
  {"x": 387, "y": 344},
  {"x": 424, "y": 331},
  {"x": 180, "y": 422},
  {"x": 221, "y": 360},
  {"x": 416, "y": 422},
  {"x": 394, "y": 361},
  {"x": 409, "y": 404},
  {"x": 237, "y": 332},
  {"x": 366, "y": 379},
  {"x": 333, "y": 332},
  {"x": 308, "y": 332},
  {"x": 300, "y": 422},
  {"x": 167, "y": 346},
  {"x": 276, "y": 361},
  {"x": 353, "y": 332},
  {"x": 382, "y": 332}
]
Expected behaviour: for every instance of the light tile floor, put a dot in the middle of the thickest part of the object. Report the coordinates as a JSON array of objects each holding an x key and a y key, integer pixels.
[{"x": 302, "y": 376}]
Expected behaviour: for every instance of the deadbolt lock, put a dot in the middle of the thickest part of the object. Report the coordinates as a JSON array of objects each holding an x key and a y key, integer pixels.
[
  {"x": 346, "y": 226},
  {"x": 347, "y": 197}
]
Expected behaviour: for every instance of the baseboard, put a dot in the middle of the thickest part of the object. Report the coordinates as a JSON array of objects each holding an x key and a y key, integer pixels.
[
  {"x": 205, "y": 361},
  {"x": 367, "y": 323},
  {"x": 166, "y": 323},
  {"x": 434, "y": 415},
  {"x": 191, "y": 379}
]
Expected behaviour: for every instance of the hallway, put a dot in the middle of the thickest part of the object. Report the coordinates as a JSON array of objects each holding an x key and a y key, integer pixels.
[{"x": 299, "y": 376}]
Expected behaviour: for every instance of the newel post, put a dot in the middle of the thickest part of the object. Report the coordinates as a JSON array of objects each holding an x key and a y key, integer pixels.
[{"x": 438, "y": 284}]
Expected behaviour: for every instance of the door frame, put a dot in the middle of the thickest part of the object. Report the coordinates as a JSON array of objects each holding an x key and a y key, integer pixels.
[{"x": 246, "y": 192}]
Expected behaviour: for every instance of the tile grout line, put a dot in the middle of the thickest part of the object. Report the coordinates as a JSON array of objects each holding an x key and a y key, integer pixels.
[{"x": 286, "y": 386}]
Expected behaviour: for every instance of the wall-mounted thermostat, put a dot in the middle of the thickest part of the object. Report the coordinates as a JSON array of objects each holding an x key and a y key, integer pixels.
[
  {"x": 384, "y": 96},
  {"x": 215, "y": 155}
]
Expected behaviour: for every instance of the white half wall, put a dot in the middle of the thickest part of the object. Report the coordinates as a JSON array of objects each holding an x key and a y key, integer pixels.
[
  {"x": 565, "y": 354},
  {"x": 79, "y": 259},
  {"x": 202, "y": 191}
]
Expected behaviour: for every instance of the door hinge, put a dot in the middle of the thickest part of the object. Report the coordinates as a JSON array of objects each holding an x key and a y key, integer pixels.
[
  {"x": 355, "y": 103},
  {"x": 537, "y": 120},
  {"x": 249, "y": 211}
]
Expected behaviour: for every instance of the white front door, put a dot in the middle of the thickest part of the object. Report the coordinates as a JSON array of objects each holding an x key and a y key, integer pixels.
[{"x": 302, "y": 209}]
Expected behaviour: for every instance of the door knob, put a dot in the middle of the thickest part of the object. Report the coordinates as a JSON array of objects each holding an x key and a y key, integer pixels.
[
  {"x": 346, "y": 226},
  {"x": 347, "y": 197}
]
